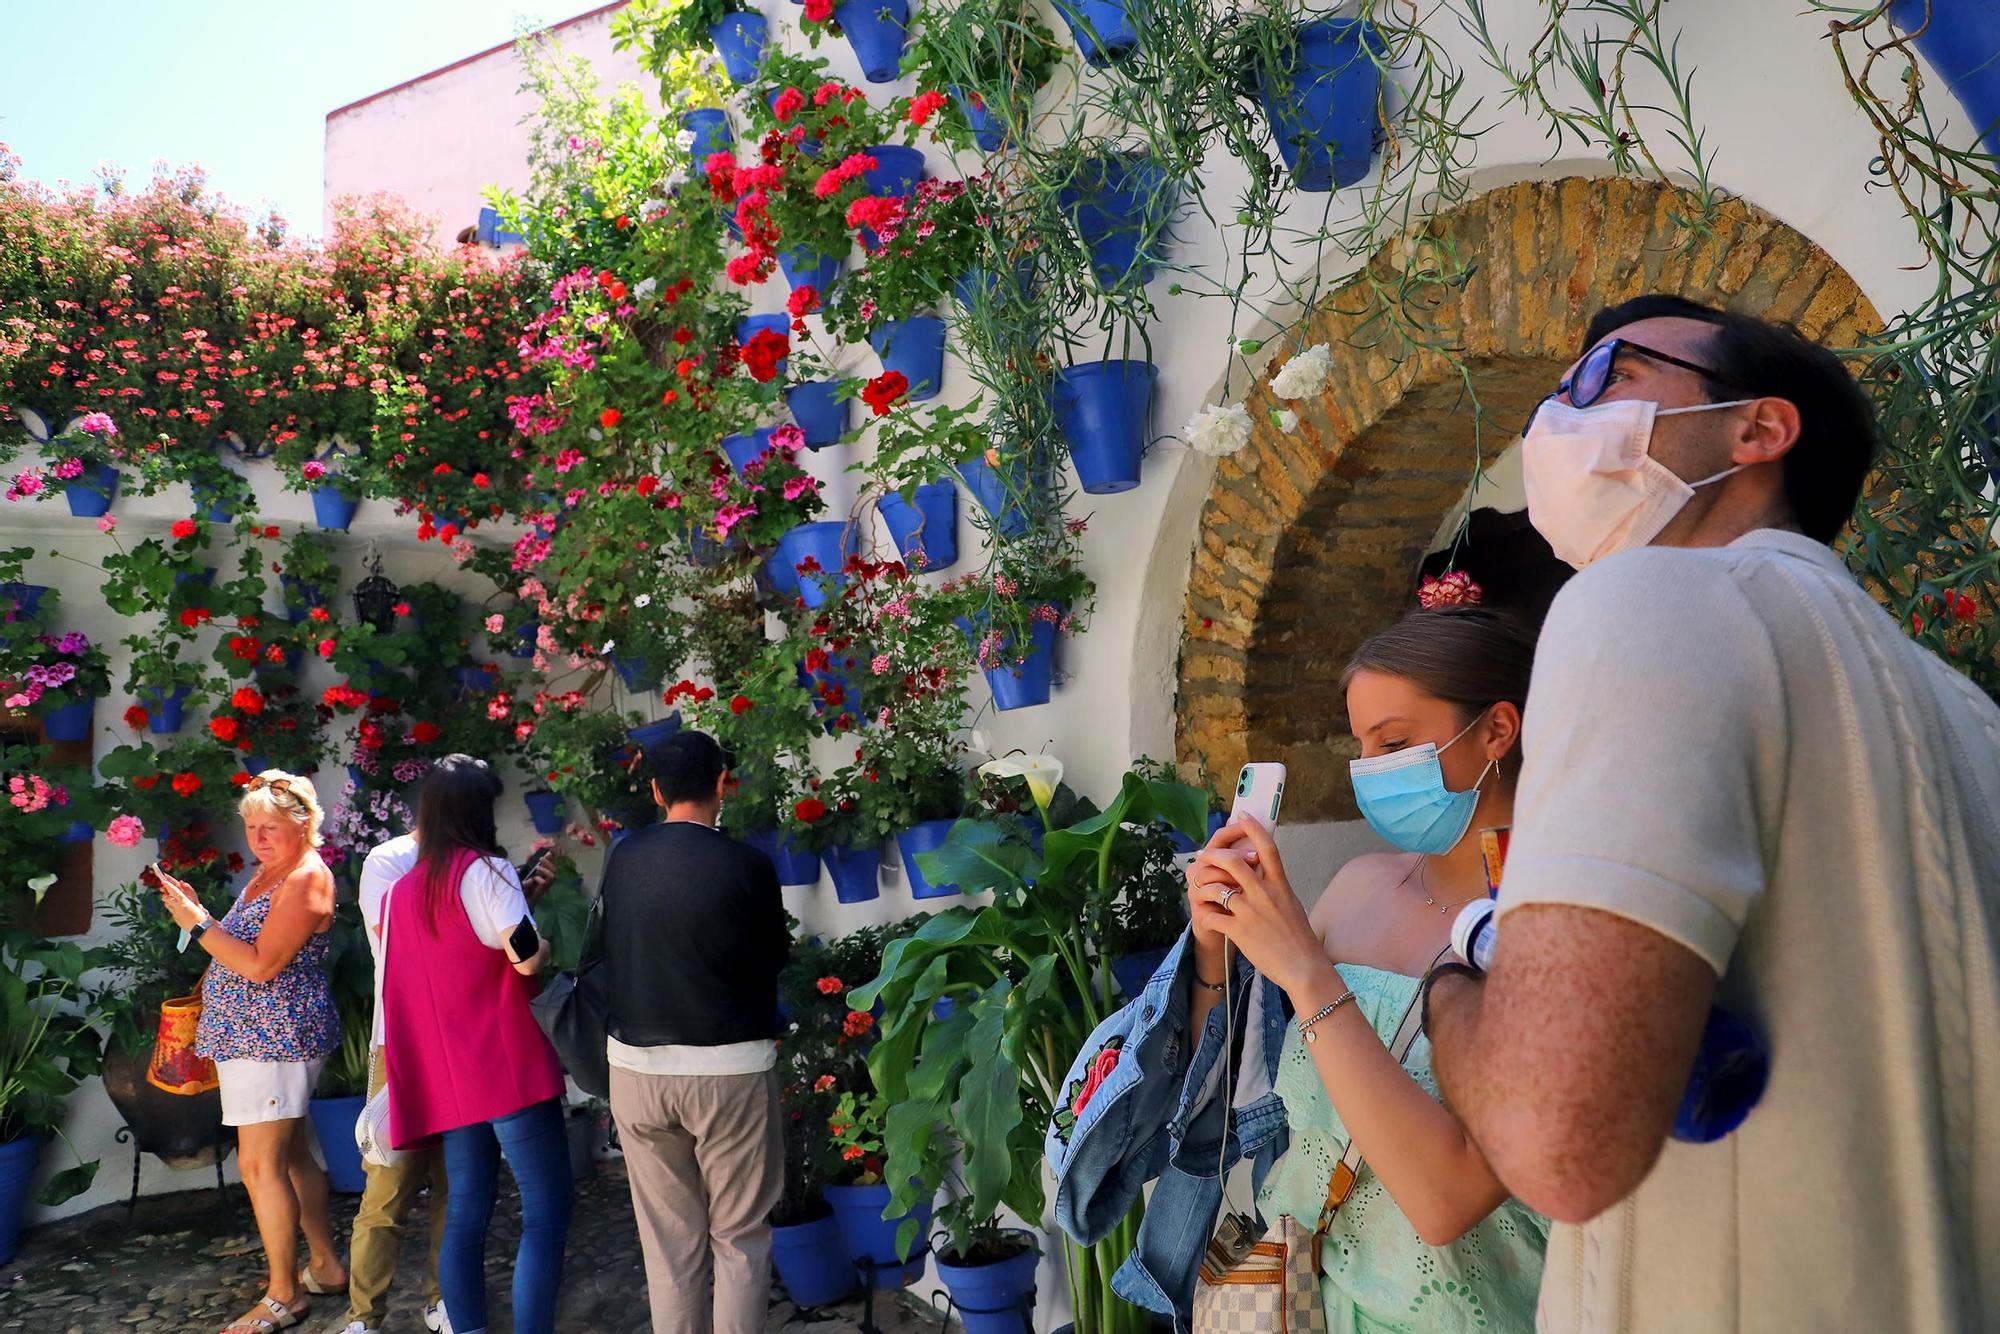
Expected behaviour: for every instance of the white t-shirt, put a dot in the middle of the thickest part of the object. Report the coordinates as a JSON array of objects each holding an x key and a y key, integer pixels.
[
  {"x": 1737, "y": 748},
  {"x": 490, "y": 891}
]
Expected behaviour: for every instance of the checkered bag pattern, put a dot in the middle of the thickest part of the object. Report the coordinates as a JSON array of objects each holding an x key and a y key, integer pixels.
[{"x": 1273, "y": 1289}]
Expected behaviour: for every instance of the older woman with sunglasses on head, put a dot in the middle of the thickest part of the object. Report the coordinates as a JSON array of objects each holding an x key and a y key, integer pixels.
[{"x": 268, "y": 1022}]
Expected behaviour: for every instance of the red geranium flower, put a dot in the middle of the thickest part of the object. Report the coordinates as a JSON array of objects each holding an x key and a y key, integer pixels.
[
  {"x": 830, "y": 986},
  {"x": 320, "y": 614},
  {"x": 247, "y": 700},
  {"x": 424, "y": 733},
  {"x": 823, "y": 1084},
  {"x": 183, "y": 529},
  {"x": 609, "y": 418},
  {"x": 741, "y": 704},
  {"x": 810, "y": 811},
  {"x": 240, "y": 778},
  {"x": 136, "y": 717},
  {"x": 224, "y": 729},
  {"x": 803, "y": 302},
  {"x": 788, "y": 104},
  {"x": 186, "y": 784},
  {"x": 925, "y": 105},
  {"x": 881, "y": 393}
]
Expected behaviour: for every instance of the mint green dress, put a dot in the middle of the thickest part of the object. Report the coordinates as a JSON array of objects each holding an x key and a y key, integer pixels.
[{"x": 1378, "y": 1275}]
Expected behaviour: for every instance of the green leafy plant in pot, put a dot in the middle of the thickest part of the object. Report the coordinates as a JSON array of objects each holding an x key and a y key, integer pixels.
[
  {"x": 1028, "y": 976},
  {"x": 48, "y": 1045}
]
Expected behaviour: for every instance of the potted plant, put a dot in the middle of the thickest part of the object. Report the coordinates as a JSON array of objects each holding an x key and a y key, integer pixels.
[
  {"x": 880, "y": 1226},
  {"x": 1122, "y": 207},
  {"x": 47, "y": 1047},
  {"x": 1319, "y": 84},
  {"x": 1036, "y": 590},
  {"x": 1026, "y": 972},
  {"x": 272, "y": 724},
  {"x": 875, "y": 29},
  {"x": 56, "y": 675},
  {"x": 992, "y": 62},
  {"x": 1104, "y": 408},
  {"x": 83, "y": 460},
  {"x": 343, "y": 1082}
]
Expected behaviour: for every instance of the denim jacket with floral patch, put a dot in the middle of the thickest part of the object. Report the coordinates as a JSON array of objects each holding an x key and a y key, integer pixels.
[{"x": 1143, "y": 1103}]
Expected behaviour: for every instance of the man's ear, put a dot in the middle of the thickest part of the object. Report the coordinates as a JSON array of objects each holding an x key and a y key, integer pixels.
[
  {"x": 1768, "y": 431},
  {"x": 722, "y": 785},
  {"x": 658, "y": 800}
]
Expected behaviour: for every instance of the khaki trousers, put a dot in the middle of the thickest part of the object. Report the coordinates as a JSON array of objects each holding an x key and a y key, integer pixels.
[
  {"x": 378, "y": 1226},
  {"x": 706, "y": 1161}
]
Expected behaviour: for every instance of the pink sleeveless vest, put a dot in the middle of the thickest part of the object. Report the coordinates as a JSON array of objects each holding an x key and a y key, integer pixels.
[{"x": 459, "y": 1042}]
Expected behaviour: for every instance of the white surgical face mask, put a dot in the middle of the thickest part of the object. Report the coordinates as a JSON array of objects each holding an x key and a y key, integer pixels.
[{"x": 1593, "y": 487}]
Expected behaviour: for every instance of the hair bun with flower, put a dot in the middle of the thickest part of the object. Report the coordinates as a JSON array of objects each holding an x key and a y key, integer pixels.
[{"x": 1454, "y": 588}]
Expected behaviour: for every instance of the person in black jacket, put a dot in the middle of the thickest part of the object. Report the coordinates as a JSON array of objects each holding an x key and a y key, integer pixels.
[{"x": 693, "y": 938}]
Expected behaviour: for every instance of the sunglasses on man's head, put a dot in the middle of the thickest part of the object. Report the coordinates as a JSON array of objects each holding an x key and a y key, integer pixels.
[{"x": 1592, "y": 376}]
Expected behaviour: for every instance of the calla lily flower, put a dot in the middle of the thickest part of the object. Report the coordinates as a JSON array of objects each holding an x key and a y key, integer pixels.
[{"x": 1043, "y": 772}]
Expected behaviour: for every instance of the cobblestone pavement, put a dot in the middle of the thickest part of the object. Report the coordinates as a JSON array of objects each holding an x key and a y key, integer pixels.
[{"x": 191, "y": 1261}]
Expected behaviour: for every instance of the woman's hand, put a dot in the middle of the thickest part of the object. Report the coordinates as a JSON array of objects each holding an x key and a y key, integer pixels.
[
  {"x": 182, "y": 904},
  {"x": 1263, "y": 918}
]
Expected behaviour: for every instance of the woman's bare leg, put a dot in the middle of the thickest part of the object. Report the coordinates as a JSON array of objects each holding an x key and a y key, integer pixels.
[
  {"x": 263, "y": 1153},
  {"x": 309, "y": 1185}
]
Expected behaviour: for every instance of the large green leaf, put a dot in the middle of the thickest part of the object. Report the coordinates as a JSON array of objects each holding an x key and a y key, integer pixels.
[
  {"x": 978, "y": 855},
  {"x": 989, "y": 1103},
  {"x": 913, "y": 1155},
  {"x": 1183, "y": 807},
  {"x": 69, "y": 1183}
]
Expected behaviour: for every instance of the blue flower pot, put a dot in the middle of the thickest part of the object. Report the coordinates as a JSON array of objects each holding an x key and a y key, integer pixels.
[
  {"x": 22, "y": 599},
  {"x": 300, "y": 599},
  {"x": 779, "y": 574},
  {"x": 641, "y": 678},
  {"x": 819, "y": 410},
  {"x": 871, "y": 1239},
  {"x": 524, "y": 640},
  {"x": 1104, "y": 29},
  {"x": 333, "y": 1126},
  {"x": 218, "y": 508},
  {"x": 926, "y": 837},
  {"x": 1133, "y": 971},
  {"x": 1024, "y": 684},
  {"x": 163, "y": 708},
  {"x": 17, "y": 1169},
  {"x": 994, "y": 1298},
  {"x": 71, "y": 722},
  {"x": 926, "y": 530},
  {"x": 988, "y": 488},
  {"x": 739, "y": 40},
  {"x": 916, "y": 348},
  {"x": 796, "y": 866},
  {"x": 1321, "y": 102},
  {"x": 472, "y": 680},
  {"x": 204, "y": 578},
  {"x": 807, "y": 268},
  {"x": 989, "y": 132},
  {"x": 876, "y": 30},
  {"x": 356, "y": 777},
  {"x": 854, "y": 881},
  {"x": 895, "y": 175},
  {"x": 712, "y": 134},
  {"x": 1103, "y": 408},
  {"x": 1963, "y": 45},
  {"x": 750, "y": 325},
  {"x": 813, "y": 1263},
  {"x": 91, "y": 494},
  {"x": 830, "y": 544},
  {"x": 79, "y": 831},
  {"x": 1182, "y": 843},
  {"x": 830, "y": 714},
  {"x": 545, "y": 808},
  {"x": 1120, "y": 205},
  {"x": 981, "y": 284},
  {"x": 647, "y": 735},
  {"x": 254, "y": 764},
  {"x": 745, "y": 448},
  {"x": 332, "y": 510}
]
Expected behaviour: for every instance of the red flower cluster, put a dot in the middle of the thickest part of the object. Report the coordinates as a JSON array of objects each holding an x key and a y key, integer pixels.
[
  {"x": 925, "y": 105},
  {"x": 225, "y": 729},
  {"x": 881, "y": 393},
  {"x": 186, "y": 784},
  {"x": 741, "y": 704},
  {"x": 788, "y": 104},
  {"x": 851, "y": 168},
  {"x": 802, "y": 302},
  {"x": 858, "y": 1023},
  {"x": 344, "y": 697},
  {"x": 183, "y": 529},
  {"x": 136, "y": 717},
  {"x": 766, "y": 348},
  {"x": 609, "y": 418},
  {"x": 247, "y": 700},
  {"x": 687, "y": 690},
  {"x": 811, "y": 810},
  {"x": 830, "y": 986},
  {"x": 424, "y": 733}
]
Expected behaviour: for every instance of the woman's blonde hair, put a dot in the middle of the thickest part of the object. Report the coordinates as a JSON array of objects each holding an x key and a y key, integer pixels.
[{"x": 291, "y": 795}]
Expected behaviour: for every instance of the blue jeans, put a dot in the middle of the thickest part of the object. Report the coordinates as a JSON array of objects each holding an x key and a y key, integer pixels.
[{"x": 537, "y": 1149}]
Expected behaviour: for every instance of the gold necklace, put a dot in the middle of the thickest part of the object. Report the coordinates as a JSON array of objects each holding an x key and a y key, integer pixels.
[{"x": 1423, "y": 860}]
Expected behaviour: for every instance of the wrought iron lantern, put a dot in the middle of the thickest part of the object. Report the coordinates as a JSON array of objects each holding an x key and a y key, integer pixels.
[{"x": 376, "y": 596}]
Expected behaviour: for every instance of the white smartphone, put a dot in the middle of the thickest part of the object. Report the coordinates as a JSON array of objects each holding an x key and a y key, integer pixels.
[{"x": 1260, "y": 789}]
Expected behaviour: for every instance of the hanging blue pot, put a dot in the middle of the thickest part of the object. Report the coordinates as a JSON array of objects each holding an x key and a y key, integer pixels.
[
  {"x": 524, "y": 639},
  {"x": 254, "y": 764},
  {"x": 819, "y": 410},
  {"x": 204, "y": 578},
  {"x": 830, "y": 544},
  {"x": 979, "y": 284},
  {"x": 647, "y": 735},
  {"x": 913, "y": 842},
  {"x": 739, "y": 40},
  {"x": 897, "y": 172},
  {"x": 871, "y": 1238},
  {"x": 332, "y": 510},
  {"x": 90, "y": 495},
  {"x": 812, "y": 1262},
  {"x": 809, "y": 268},
  {"x": 987, "y": 487},
  {"x": 746, "y": 447},
  {"x": 1104, "y": 29},
  {"x": 1103, "y": 408},
  {"x": 989, "y": 132},
  {"x": 71, "y": 722},
  {"x": 997, "y": 1298},
  {"x": 832, "y": 681},
  {"x": 333, "y": 1125},
  {"x": 163, "y": 708},
  {"x": 17, "y": 1170},
  {"x": 796, "y": 866},
  {"x": 470, "y": 680},
  {"x": 876, "y": 30},
  {"x": 1183, "y": 844},
  {"x": 639, "y": 676},
  {"x": 712, "y": 134},
  {"x": 219, "y": 511},
  {"x": 1133, "y": 971},
  {"x": 925, "y": 529},
  {"x": 1962, "y": 43},
  {"x": 300, "y": 598},
  {"x": 855, "y": 880},
  {"x": 545, "y": 808},
  {"x": 916, "y": 348},
  {"x": 1121, "y": 205},
  {"x": 1023, "y": 684},
  {"x": 79, "y": 831},
  {"x": 1321, "y": 102},
  {"x": 22, "y": 600}
]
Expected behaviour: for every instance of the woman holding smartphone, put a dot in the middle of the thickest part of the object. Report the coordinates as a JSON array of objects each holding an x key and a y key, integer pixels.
[
  {"x": 1427, "y": 1237},
  {"x": 465, "y": 1058},
  {"x": 268, "y": 1022}
]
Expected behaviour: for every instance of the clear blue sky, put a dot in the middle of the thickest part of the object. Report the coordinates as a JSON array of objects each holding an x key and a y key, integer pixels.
[{"x": 241, "y": 88}]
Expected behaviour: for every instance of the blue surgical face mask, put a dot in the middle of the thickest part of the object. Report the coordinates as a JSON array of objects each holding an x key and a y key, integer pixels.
[{"x": 1403, "y": 797}]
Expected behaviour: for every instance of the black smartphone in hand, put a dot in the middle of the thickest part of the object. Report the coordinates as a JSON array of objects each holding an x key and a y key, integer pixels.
[
  {"x": 524, "y": 941},
  {"x": 535, "y": 858}
]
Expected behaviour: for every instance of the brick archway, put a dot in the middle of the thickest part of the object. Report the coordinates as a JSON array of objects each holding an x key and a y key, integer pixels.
[{"x": 1310, "y": 542}]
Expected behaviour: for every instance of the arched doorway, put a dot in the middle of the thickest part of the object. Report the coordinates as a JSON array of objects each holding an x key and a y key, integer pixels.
[{"x": 1309, "y": 542}]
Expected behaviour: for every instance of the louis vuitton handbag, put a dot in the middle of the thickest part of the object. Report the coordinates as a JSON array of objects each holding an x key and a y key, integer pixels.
[{"x": 1270, "y": 1284}]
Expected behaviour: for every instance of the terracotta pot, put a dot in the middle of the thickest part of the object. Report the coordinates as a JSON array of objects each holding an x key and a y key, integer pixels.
[{"x": 182, "y": 1131}]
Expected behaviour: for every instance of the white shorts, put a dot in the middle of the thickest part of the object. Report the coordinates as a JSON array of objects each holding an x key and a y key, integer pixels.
[{"x": 257, "y": 1091}]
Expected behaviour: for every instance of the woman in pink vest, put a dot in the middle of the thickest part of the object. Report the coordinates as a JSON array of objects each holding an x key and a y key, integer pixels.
[{"x": 465, "y": 1058}]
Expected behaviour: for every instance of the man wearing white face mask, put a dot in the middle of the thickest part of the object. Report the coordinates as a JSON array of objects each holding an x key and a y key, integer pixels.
[{"x": 1743, "y": 786}]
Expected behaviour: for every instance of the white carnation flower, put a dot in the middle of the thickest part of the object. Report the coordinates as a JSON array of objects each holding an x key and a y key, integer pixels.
[
  {"x": 1285, "y": 420},
  {"x": 1305, "y": 374},
  {"x": 684, "y": 140},
  {"x": 645, "y": 288},
  {"x": 1219, "y": 431}
]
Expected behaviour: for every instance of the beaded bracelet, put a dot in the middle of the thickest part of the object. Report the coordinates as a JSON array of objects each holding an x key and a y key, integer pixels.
[{"x": 1305, "y": 1025}]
